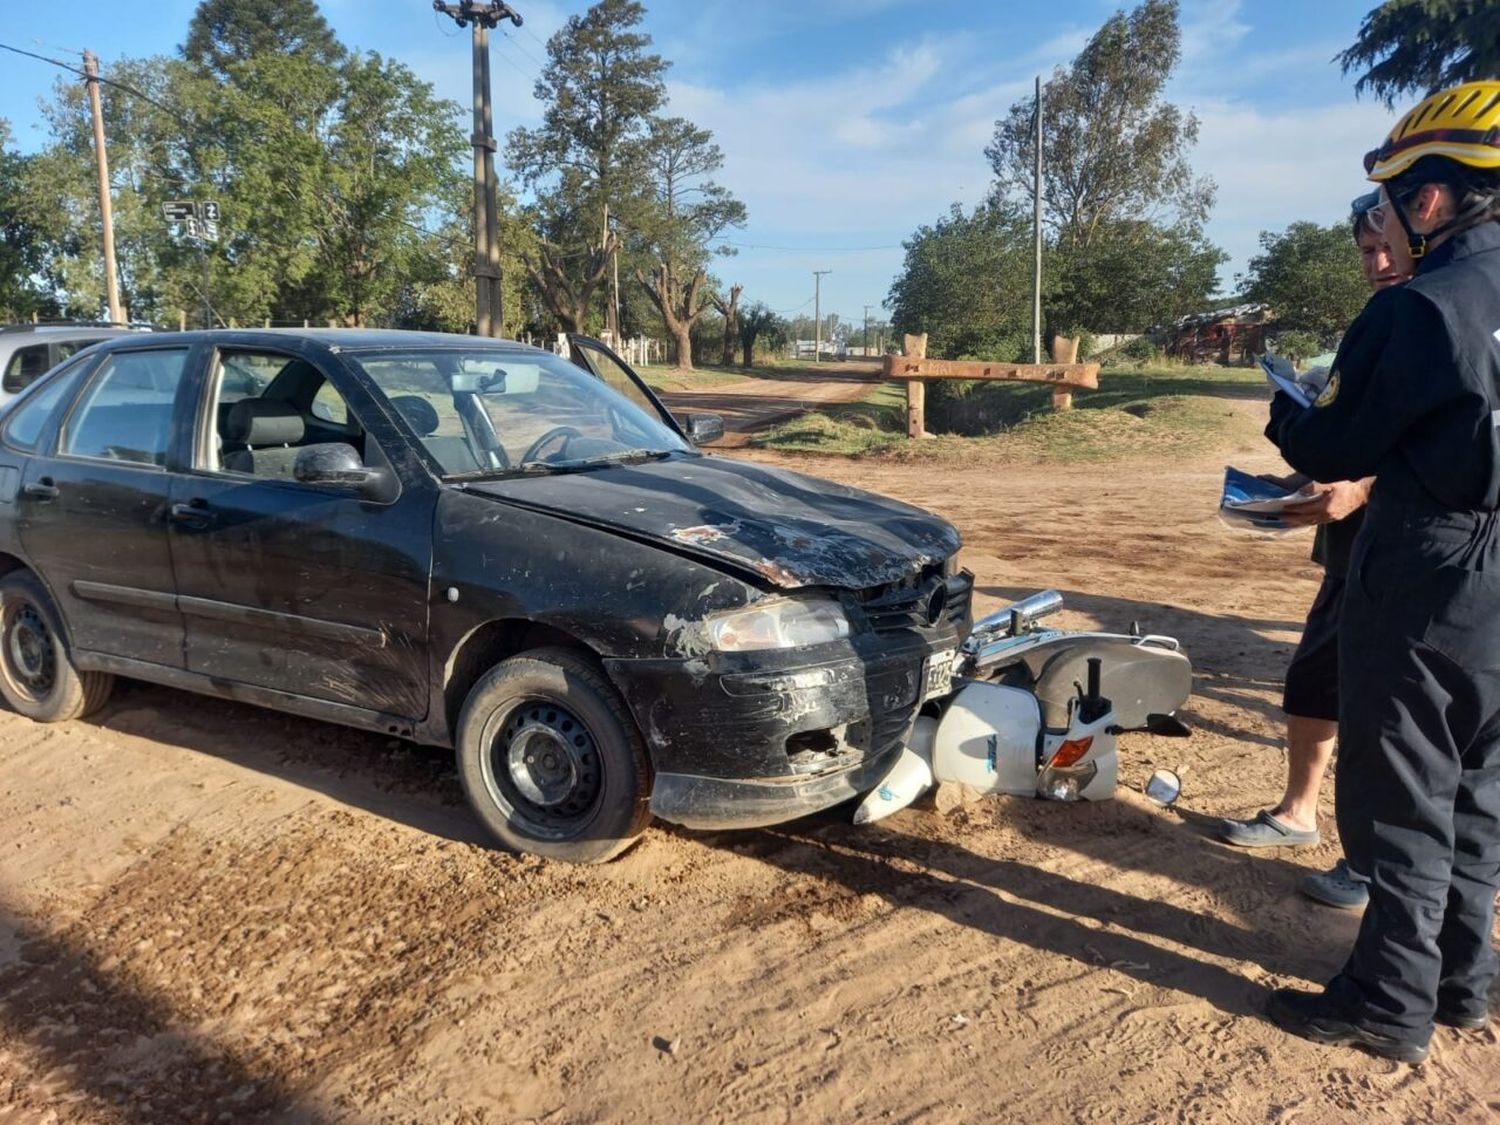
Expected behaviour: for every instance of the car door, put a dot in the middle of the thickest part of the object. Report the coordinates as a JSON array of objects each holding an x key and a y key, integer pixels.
[
  {"x": 310, "y": 589},
  {"x": 92, "y": 509},
  {"x": 594, "y": 357}
]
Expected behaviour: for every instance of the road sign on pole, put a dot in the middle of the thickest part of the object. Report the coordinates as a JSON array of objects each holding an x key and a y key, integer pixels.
[{"x": 179, "y": 210}]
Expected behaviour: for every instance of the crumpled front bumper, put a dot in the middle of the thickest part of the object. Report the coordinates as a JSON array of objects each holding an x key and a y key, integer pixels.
[
  {"x": 695, "y": 801},
  {"x": 758, "y": 740}
]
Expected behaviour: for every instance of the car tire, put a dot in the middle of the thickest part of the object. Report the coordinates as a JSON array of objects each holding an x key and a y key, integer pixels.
[
  {"x": 551, "y": 760},
  {"x": 37, "y": 676}
]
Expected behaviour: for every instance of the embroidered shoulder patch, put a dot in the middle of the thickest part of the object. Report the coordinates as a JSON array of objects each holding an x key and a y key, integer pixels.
[{"x": 1330, "y": 392}]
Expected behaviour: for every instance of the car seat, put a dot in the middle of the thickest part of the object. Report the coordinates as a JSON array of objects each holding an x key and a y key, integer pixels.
[
  {"x": 268, "y": 432},
  {"x": 451, "y": 452}
]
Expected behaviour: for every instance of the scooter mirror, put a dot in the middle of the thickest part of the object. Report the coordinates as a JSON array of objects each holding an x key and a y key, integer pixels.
[
  {"x": 1164, "y": 787},
  {"x": 1168, "y": 726}
]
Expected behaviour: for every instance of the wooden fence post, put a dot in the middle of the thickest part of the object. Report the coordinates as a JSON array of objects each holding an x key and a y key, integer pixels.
[
  {"x": 1064, "y": 349},
  {"x": 916, "y": 390}
]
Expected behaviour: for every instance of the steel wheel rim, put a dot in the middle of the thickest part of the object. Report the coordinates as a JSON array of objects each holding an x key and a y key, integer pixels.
[
  {"x": 30, "y": 656},
  {"x": 543, "y": 768}
]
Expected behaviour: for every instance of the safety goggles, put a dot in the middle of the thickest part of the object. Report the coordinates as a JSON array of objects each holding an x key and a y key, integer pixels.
[{"x": 1377, "y": 213}]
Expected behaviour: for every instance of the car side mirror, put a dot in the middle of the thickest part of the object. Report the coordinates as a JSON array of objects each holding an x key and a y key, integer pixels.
[
  {"x": 702, "y": 428},
  {"x": 336, "y": 463}
]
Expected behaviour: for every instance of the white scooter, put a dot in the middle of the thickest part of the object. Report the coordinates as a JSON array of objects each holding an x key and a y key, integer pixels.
[{"x": 1037, "y": 712}]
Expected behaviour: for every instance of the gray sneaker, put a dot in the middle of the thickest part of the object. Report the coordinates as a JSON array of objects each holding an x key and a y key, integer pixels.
[{"x": 1338, "y": 887}]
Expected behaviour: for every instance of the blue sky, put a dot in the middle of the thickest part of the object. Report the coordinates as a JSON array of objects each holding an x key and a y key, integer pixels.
[{"x": 848, "y": 123}]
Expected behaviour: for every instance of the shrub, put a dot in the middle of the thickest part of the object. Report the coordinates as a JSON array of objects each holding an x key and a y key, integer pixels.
[
  {"x": 1297, "y": 346},
  {"x": 1142, "y": 349}
]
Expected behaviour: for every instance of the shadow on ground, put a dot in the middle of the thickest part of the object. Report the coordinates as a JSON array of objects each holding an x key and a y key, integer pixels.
[{"x": 412, "y": 785}]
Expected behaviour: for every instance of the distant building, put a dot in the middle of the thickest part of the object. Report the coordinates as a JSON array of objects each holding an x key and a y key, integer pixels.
[{"x": 1229, "y": 335}]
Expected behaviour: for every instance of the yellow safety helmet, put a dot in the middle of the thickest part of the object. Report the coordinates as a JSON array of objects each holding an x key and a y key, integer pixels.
[{"x": 1462, "y": 123}]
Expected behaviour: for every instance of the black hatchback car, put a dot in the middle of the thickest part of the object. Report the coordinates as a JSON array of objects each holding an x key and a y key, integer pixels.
[{"x": 477, "y": 544}]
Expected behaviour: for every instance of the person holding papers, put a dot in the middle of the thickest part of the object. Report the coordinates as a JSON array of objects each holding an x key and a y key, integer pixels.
[
  {"x": 1311, "y": 696},
  {"x": 1414, "y": 400}
]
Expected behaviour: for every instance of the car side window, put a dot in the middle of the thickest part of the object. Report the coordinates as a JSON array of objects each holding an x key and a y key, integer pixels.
[
  {"x": 604, "y": 366},
  {"x": 126, "y": 412},
  {"x": 66, "y": 348},
  {"x": 24, "y": 367},
  {"x": 267, "y": 408},
  {"x": 28, "y": 419},
  {"x": 329, "y": 406}
]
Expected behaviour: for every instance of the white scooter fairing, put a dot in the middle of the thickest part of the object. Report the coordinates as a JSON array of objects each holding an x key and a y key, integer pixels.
[{"x": 1046, "y": 725}]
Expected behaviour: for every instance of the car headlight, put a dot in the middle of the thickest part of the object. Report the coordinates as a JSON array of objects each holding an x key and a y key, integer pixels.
[{"x": 781, "y": 623}]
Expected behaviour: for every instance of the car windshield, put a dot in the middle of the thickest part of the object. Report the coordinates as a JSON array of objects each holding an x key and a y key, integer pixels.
[{"x": 494, "y": 413}]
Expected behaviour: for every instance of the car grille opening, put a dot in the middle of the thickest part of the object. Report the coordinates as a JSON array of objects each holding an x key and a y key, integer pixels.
[{"x": 925, "y": 601}]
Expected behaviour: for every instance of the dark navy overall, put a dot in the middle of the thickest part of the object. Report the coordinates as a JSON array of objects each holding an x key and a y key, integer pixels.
[{"x": 1413, "y": 401}]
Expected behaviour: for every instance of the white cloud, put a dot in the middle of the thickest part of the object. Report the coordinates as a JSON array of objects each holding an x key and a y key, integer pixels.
[{"x": 1274, "y": 168}]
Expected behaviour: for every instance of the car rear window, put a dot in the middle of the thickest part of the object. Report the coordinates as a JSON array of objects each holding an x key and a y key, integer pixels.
[
  {"x": 24, "y": 367},
  {"x": 126, "y": 414},
  {"x": 28, "y": 418}
]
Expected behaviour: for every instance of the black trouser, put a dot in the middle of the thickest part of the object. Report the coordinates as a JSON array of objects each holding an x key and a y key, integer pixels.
[{"x": 1418, "y": 790}]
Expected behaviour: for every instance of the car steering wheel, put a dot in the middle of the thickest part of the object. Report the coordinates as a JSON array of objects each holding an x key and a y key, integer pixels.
[{"x": 567, "y": 433}]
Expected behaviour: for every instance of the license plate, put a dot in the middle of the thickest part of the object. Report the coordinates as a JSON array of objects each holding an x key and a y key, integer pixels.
[{"x": 937, "y": 674}]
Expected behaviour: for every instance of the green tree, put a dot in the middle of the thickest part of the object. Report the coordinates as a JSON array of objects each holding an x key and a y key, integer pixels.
[
  {"x": 759, "y": 324},
  {"x": 1310, "y": 277},
  {"x": 600, "y": 87},
  {"x": 1115, "y": 155},
  {"x": 1136, "y": 275},
  {"x": 687, "y": 210},
  {"x": 24, "y": 234},
  {"x": 1421, "y": 46},
  {"x": 966, "y": 282},
  {"x": 393, "y": 150},
  {"x": 326, "y": 176},
  {"x": 225, "y": 32}
]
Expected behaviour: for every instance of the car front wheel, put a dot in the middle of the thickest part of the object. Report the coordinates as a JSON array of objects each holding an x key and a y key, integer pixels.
[
  {"x": 37, "y": 677},
  {"x": 551, "y": 761}
]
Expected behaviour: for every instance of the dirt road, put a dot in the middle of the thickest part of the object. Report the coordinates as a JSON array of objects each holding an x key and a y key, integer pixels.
[
  {"x": 753, "y": 404},
  {"x": 210, "y": 912}
]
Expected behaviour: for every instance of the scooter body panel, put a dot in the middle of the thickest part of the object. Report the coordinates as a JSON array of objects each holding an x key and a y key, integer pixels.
[{"x": 989, "y": 739}]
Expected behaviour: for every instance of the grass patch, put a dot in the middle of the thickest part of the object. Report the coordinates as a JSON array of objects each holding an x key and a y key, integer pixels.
[{"x": 1136, "y": 412}]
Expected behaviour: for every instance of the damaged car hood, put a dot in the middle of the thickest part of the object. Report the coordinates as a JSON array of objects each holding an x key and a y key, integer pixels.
[{"x": 791, "y": 530}]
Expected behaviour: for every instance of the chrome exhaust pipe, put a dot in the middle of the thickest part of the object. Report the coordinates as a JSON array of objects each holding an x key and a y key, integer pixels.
[{"x": 1014, "y": 620}]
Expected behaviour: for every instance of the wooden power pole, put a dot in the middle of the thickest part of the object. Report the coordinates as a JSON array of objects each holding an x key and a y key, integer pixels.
[
  {"x": 1036, "y": 220},
  {"x": 818, "y": 314},
  {"x": 484, "y": 15},
  {"x": 106, "y": 209}
]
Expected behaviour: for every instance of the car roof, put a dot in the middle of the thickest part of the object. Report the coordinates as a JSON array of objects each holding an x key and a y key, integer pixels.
[
  {"x": 73, "y": 331},
  {"x": 334, "y": 339}
]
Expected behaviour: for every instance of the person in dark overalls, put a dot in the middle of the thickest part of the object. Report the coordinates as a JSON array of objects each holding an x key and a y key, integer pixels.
[{"x": 1414, "y": 400}]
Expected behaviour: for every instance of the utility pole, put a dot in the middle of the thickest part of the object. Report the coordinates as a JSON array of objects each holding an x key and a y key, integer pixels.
[
  {"x": 818, "y": 314},
  {"x": 612, "y": 309},
  {"x": 106, "y": 209},
  {"x": 867, "y": 331},
  {"x": 484, "y": 15},
  {"x": 1036, "y": 276}
]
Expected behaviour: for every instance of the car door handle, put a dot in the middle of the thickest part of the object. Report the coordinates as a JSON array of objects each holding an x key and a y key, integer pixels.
[
  {"x": 195, "y": 515},
  {"x": 43, "y": 490}
]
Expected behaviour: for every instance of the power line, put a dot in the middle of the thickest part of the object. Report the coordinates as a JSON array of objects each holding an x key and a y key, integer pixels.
[
  {"x": 521, "y": 47},
  {"x": 534, "y": 39},
  {"x": 129, "y": 89},
  {"x": 515, "y": 66}
]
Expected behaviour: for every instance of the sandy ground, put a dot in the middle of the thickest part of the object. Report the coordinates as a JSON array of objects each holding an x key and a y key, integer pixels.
[
  {"x": 210, "y": 912},
  {"x": 751, "y": 405}
]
